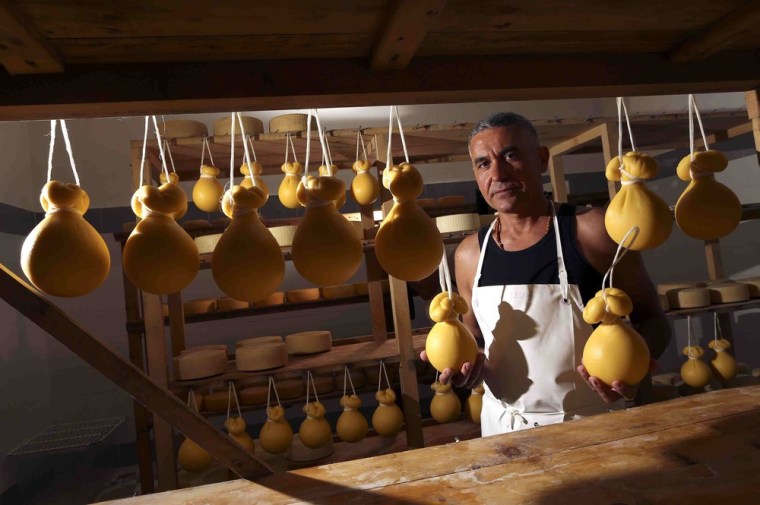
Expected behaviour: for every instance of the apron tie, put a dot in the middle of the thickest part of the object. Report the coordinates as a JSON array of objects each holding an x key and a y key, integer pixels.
[{"x": 513, "y": 414}]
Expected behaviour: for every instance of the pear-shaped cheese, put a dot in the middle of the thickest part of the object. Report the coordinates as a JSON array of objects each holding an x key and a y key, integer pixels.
[
  {"x": 707, "y": 209},
  {"x": 694, "y": 371},
  {"x": 207, "y": 191},
  {"x": 636, "y": 205},
  {"x": 174, "y": 179},
  {"x": 315, "y": 431},
  {"x": 364, "y": 188},
  {"x": 326, "y": 250},
  {"x": 614, "y": 351},
  {"x": 449, "y": 343},
  {"x": 159, "y": 256},
  {"x": 64, "y": 255},
  {"x": 192, "y": 457},
  {"x": 387, "y": 418},
  {"x": 408, "y": 244},
  {"x": 247, "y": 263},
  {"x": 257, "y": 170},
  {"x": 474, "y": 404},
  {"x": 445, "y": 406},
  {"x": 352, "y": 426},
  {"x": 236, "y": 429},
  {"x": 723, "y": 364},
  {"x": 289, "y": 184},
  {"x": 276, "y": 435}
]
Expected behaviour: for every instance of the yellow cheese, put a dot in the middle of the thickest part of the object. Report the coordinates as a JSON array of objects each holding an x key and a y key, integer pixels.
[
  {"x": 276, "y": 298},
  {"x": 202, "y": 363},
  {"x": 226, "y": 303},
  {"x": 457, "y": 223},
  {"x": 298, "y": 452},
  {"x": 284, "y": 234},
  {"x": 195, "y": 224},
  {"x": 753, "y": 286},
  {"x": 669, "y": 286},
  {"x": 258, "y": 341},
  {"x": 256, "y": 395},
  {"x": 252, "y": 125},
  {"x": 324, "y": 384},
  {"x": 302, "y": 295},
  {"x": 182, "y": 128},
  {"x": 451, "y": 201},
  {"x": 334, "y": 292},
  {"x": 217, "y": 401},
  {"x": 196, "y": 348},
  {"x": 361, "y": 288},
  {"x": 252, "y": 358},
  {"x": 309, "y": 342},
  {"x": 199, "y": 306},
  {"x": 728, "y": 292},
  {"x": 689, "y": 298},
  {"x": 207, "y": 243},
  {"x": 290, "y": 389}
]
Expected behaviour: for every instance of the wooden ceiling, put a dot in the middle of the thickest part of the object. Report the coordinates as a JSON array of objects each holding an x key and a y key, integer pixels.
[{"x": 73, "y": 56}]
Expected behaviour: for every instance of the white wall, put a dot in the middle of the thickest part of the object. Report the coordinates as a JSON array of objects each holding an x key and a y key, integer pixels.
[{"x": 15, "y": 174}]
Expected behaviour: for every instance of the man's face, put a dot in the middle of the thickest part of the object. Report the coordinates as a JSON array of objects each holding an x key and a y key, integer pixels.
[{"x": 508, "y": 164}]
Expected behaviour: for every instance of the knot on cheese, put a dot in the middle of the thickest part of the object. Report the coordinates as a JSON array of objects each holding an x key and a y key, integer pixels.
[
  {"x": 361, "y": 166},
  {"x": 444, "y": 309},
  {"x": 292, "y": 168},
  {"x": 618, "y": 305},
  {"x": 639, "y": 165}
]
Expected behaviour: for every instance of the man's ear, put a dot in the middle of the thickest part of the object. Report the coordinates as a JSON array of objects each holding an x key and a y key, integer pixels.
[{"x": 543, "y": 155}]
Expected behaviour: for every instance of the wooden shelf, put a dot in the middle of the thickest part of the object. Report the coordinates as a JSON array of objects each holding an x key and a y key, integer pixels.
[
  {"x": 365, "y": 352},
  {"x": 723, "y": 307}
]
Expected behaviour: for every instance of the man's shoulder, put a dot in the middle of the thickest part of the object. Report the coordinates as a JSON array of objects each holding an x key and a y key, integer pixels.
[
  {"x": 468, "y": 249},
  {"x": 595, "y": 244}
]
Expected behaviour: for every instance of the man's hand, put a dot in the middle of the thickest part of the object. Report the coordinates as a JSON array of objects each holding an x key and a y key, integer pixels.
[
  {"x": 618, "y": 389},
  {"x": 468, "y": 377}
]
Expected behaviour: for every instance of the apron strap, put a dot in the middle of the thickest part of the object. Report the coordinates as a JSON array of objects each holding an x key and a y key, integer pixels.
[
  {"x": 483, "y": 253},
  {"x": 563, "y": 282}
]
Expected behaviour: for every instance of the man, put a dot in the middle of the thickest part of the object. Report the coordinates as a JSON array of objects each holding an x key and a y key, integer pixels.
[{"x": 527, "y": 279}]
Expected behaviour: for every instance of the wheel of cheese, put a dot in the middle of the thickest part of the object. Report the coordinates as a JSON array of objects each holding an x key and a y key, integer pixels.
[
  {"x": 201, "y": 364},
  {"x": 324, "y": 384},
  {"x": 298, "y": 452},
  {"x": 207, "y": 243},
  {"x": 335, "y": 292},
  {"x": 755, "y": 372},
  {"x": 199, "y": 306},
  {"x": 728, "y": 292},
  {"x": 249, "y": 382},
  {"x": 689, "y": 298},
  {"x": 217, "y": 400},
  {"x": 361, "y": 288},
  {"x": 253, "y": 358},
  {"x": 426, "y": 203},
  {"x": 357, "y": 377},
  {"x": 226, "y": 303},
  {"x": 669, "y": 286},
  {"x": 309, "y": 342},
  {"x": 252, "y": 125},
  {"x": 284, "y": 234},
  {"x": 486, "y": 220},
  {"x": 290, "y": 389},
  {"x": 289, "y": 123},
  {"x": 664, "y": 305},
  {"x": 195, "y": 224},
  {"x": 256, "y": 395},
  {"x": 302, "y": 295},
  {"x": 258, "y": 341},
  {"x": 182, "y": 128},
  {"x": 196, "y": 348},
  {"x": 457, "y": 223},
  {"x": 276, "y": 298},
  {"x": 451, "y": 201},
  {"x": 753, "y": 286}
]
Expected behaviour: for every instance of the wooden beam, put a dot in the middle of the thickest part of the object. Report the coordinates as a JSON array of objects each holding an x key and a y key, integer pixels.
[
  {"x": 407, "y": 25},
  {"x": 739, "y": 23},
  {"x": 557, "y": 178},
  {"x": 607, "y": 134},
  {"x": 753, "y": 111},
  {"x": 34, "y": 306},
  {"x": 176, "y": 323},
  {"x": 105, "y": 90},
  {"x": 569, "y": 145},
  {"x": 23, "y": 49}
]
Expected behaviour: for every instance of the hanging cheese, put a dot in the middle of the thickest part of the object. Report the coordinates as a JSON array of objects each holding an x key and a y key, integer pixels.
[
  {"x": 289, "y": 184},
  {"x": 309, "y": 342},
  {"x": 247, "y": 263},
  {"x": 408, "y": 244},
  {"x": 449, "y": 344},
  {"x": 226, "y": 304},
  {"x": 352, "y": 426},
  {"x": 635, "y": 204},
  {"x": 253, "y": 358},
  {"x": 192, "y": 457},
  {"x": 614, "y": 351},
  {"x": 364, "y": 188},
  {"x": 202, "y": 363},
  {"x": 723, "y": 364},
  {"x": 174, "y": 179},
  {"x": 728, "y": 292},
  {"x": 302, "y": 295},
  {"x": 276, "y": 435},
  {"x": 159, "y": 256},
  {"x": 474, "y": 404},
  {"x": 255, "y": 395},
  {"x": 694, "y": 371},
  {"x": 257, "y": 170},
  {"x": 207, "y": 191},
  {"x": 445, "y": 405},
  {"x": 387, "y": 418},
  {"x": 315, "y": 431},
  {"x": 707, "y": 209},
  {"x": 326, "y": 250},
  {"x": 64, "y": 255},
  {"x": 236, "y": 429}
]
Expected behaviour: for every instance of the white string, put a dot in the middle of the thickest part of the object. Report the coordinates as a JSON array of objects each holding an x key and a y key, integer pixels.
[
  {"x": 287, "y": 146},
  {"x": 634, "y": 230},
  {"x": 690, "y": 353},
  {"x": 717, "y": 327},
  {"x": 161, "y": 148},
  {"x": 191, "y": 400},
  {"x": 65, "y": 131},
  {"x": 145, "y": 143},
  {"x": 388, "y": 159},
  {"x": 237, "y": 403},
  {"x": 253, "y": 150},
  {"x": 364, "y": 148},
  {"x": 401, "y": 133},
  {"x": 247, "y": 155},
  {"x": 232, "y": 150},
  {"x": 308, "y": 146},
  {"x": 272, "y": 386},
  {"x": 345, "y": 373},
  {"x": 694, "y": 110},
  {"x": 436, "y": 377},
  {"x": 293, "y": 146},
  {"x": 169, "y": 152},
  {"x": 50, "y": 151},
  {"x": 385, "y": 372},
  {"x": 229, "y": 401},
  {"x": 358, "y": 137},
  {"x": 203, "y": 152},
  {"x": 325, "y": 151},
  {"x": 329, "y": 154},
  {"x": 309, "y": 378},
  {"x": 444, "y": 276},
  {"x": 351, "y": 381}
]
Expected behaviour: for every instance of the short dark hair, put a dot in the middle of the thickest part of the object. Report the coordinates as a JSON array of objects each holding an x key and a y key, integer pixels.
[{"x": 501, "y": 119}]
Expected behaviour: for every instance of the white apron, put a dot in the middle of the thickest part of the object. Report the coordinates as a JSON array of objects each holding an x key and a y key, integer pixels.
[{"x": 534, "y": 337}]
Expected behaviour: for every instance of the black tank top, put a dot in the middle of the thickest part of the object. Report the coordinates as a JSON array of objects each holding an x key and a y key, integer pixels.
[{"x": 538, "y": 263}]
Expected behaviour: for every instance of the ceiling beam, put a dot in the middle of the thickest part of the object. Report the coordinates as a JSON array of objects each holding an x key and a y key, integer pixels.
[
  {"x": 740, "y": 22},
  {"x": 407, "y": 25},
  {"x": 135, "y": 90},
  {"x": 23, "y": 49}
]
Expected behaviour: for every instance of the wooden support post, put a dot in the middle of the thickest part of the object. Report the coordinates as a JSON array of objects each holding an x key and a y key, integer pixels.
[
  {"x": 715, "y": 271},
  {"x": 753, "y": 111},
  {"x": 23, "y": 49},
  {"x": 607, "y": 143},
  {"x": 34, "y": 306},
  {"x": 557, "y": 177},
  {"x": 176, "y": 323}
]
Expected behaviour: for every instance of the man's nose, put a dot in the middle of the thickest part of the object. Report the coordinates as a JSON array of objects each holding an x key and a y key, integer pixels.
[{"x": 501, "y": 169}]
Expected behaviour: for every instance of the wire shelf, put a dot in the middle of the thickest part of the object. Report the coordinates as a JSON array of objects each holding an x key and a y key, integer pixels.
[{"x": 69, "y": 436}]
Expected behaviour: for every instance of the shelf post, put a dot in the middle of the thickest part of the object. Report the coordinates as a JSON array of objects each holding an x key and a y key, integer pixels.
[
  {"x": 753, "y": 111},
  {"x": 557, "y": 177},
  {"x": 607, "y": 144},
  {"x": 176, "y": 322}
]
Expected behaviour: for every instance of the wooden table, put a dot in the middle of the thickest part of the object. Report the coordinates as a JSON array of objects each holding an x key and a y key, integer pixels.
[{"x": 700, "y": 449}]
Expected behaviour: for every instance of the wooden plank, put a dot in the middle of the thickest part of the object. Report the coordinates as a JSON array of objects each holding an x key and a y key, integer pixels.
[
  {"x": 23, "y": 49},
  {"x": 405, "y": 28},
  {"x": 608, "y": 135},
  {"x": 101, "y": 90},
  {"x": 723, "y": 307},
  {"x": 714, "y": 258},
  {"x": 557, "y": 178},
  {"x": 697, "y": 449},
  {"x": 32, "y": 304},
  {"x": 753, "y": 111},
  {"x": 176, "y": 323},
  {"x": 569, "y": 145},
  {"x": 717, "y": 36}
]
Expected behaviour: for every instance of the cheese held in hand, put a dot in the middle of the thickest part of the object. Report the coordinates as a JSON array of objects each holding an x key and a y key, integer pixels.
[{"x": 449, "y": 343}]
